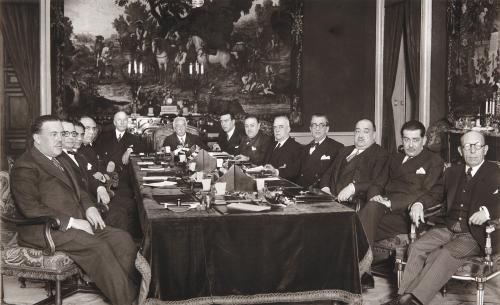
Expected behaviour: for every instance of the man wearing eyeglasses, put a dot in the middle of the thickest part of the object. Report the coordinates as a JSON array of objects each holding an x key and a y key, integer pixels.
[
  {"x": 412, "y": 182},
  {"x": 472, "y": 198},
  {"x": 284, "y": 158},
  {"x": 318, "y": 155},
  {"x": 44, "y": 184}
]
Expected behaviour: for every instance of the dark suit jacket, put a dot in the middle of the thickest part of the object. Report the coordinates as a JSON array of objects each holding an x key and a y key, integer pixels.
[
  {"x": 233, "y": 145},
  {"x": 90, "y": 153},
  {"x": 485, "y": 192},
  {"x": 314, "y": 166},
  {"x": 41, "y": 189},
  {"x": 405, "y": 186},
  {"x": 109, "y": 149},
  {"x": 363, "y": 170},
  {"x": 286, "y": 159},
  {"x": 256, "y": 148},
  {"x": 191, "y": 139},
  {"x": 89, "y": 183}
]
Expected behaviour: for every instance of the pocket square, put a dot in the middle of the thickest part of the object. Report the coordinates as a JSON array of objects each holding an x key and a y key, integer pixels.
[
  {"x": 495, "y": 192},
  {"x": 283, "y": 166},
  {"x": 254, "y": 148},
  {"x": 325, "y": 157},
  {"x": 420, "y": 171},
  {"x": 89, "y": 166}
]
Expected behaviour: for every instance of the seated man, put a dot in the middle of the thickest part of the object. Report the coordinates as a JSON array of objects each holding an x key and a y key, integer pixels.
[
  {"x": 181, "y": 139},
  {"x": 116, "y": 145},
  {"x": 87, "y": 149},
  {"x": 472, "y": 197},
  {"x": 356, "y": 168},
  {"x": 413, "y": 180},
  {"x": 319, "y": 154},
  {"x": 230, "y": 137},
  {"x": 284, "y": 158},
  {"x": 255, "y": 145},
  {"x": 45, "y": 185}
]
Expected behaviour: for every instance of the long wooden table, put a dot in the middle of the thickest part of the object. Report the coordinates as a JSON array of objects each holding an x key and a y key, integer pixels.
[{"x": 305, "y": 252}]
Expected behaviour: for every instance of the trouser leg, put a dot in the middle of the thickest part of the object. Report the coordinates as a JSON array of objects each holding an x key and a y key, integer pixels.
[
  {"x": 371, "y": 215},
  {"x": 105, "y": 257}
]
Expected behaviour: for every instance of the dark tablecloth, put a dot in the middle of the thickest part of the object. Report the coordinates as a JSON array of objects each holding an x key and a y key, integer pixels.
[{"x": 305, "y": 252}]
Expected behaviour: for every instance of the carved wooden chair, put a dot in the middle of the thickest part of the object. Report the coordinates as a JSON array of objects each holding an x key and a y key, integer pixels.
[{"x": 164, "y": 131}]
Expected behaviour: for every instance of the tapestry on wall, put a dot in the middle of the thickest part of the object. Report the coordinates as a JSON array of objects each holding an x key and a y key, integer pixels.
[
  {"x": 473, "y": 55},
  {"x": 203, "y": 56}
]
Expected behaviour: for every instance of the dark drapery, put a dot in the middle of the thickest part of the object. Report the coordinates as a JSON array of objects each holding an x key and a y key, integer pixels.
[
  {"x": 393, "y": 29},
  {"x": 20, "y": 24},
  {"x": 411, "y": 36}
]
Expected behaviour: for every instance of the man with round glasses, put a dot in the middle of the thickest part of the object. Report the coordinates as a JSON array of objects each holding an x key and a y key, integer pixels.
[
  {"x": 472, "y": 197},
  {"x": 318, "y": 155}
]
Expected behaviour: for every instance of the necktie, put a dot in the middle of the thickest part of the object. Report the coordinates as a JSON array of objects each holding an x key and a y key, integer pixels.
[
  {"x": 406, "y": 159},
  {"x": 57, "y": 164},
  {"x": 277, "y": 146},
  {"x": 70, "y": 152},
  {"x": 313, "y": 148},
  {"x": 119, "y": 137},
  {"x": 468, "y": 176},
  {"x": 353, "y": 154},
  {"x": 181, "y": 140}
]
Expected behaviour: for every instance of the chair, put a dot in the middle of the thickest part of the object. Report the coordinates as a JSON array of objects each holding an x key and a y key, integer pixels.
[{"x": 162, "y": 132}]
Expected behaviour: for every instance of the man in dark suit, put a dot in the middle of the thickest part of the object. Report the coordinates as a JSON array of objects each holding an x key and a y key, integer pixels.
[
  {"x": 45, "y": 185},
  {"x": 87, "y": 148},
  {"x": 318, "y": 155},
  {"x": 472, "y": 197},
  {"x": 255, "y": 145},
  {"x": 116, "y": 145},
  {"x": 230, "y": 137},
  {"x": 284, "y": 158},
  {"x": 356, "y": 169},
  {"x": 181, "y": 139},
  {"x": 412, "y": 180}
]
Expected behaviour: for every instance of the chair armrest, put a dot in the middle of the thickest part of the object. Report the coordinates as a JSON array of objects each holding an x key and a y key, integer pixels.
[
  {"x": 49, "y": 222},
  {"x": 436, "y": 210},
  {"x": 491, "y": 226}
]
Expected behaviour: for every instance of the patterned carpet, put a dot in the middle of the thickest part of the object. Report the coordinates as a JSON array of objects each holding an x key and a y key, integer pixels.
[{"x": 382, "y": 293}]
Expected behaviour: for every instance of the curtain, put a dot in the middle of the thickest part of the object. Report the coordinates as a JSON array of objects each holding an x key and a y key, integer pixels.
[
  {"x": 393, "y": 29},
  {"x": 20, "y": 24},
  {"x": 411, "y": 36}
]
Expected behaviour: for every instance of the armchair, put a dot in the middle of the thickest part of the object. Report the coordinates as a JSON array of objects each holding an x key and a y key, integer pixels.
[{"x": 162, "y": 132}]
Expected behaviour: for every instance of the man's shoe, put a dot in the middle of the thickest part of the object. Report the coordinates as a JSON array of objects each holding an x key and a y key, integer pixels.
[{"x": 367, "y": 281}]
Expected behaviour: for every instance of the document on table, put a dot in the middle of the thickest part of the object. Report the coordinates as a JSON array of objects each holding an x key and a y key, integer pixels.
[
  {"x": 161, "y": 184},
  {"x": 145, "y": 163},
  {"x": 155, "y": 178},
  {"x": 248, "y": 207}
]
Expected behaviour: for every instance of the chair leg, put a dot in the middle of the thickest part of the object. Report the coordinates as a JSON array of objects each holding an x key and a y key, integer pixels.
[
  {"x": 58, "y": 293},
  {"x": 399, "y": 272},
  {"x": 443, "y": 291},
  {"x": 480, "y": 293}
]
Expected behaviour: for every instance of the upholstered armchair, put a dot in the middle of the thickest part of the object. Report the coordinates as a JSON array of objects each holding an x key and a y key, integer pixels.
[
  {"x": 164, "y": 131},
  {"x": 29, "y": 263}
]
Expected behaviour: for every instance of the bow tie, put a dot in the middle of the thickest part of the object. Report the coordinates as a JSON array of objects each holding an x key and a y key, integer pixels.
[{"x": 70, "y": 152}]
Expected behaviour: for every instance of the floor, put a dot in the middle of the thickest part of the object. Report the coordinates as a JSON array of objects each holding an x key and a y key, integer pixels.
[{"x": 382, "y": 292}]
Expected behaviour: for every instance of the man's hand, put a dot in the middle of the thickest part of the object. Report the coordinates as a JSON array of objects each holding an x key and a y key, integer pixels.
[
  {"x": 95, "y": 218},
  {"x": 346, "y": 193},
  {"x": 110, "y": 167},
  {"x": 417, "y": 213},
  {"x": 478, "y": 218},
  {"x": 82, "y": 224},
  {"x": 242, "y": 158},
  {"x": 99, "y": 176},
  {"x": 270, "y": 168},
  {"x": 326, "y": 189},
  {"x": 216, "y": 147},
  {"x": 102, "y": 195},
  {"x": 126, "y": 156},
  {"x": 382, "y": 200}
]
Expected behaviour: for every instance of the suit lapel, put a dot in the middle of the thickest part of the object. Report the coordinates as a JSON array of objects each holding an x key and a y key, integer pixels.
[
  {"x": 453, "y": 185},
  {"x": 48, "y": 166},
  {"x": 63, "y": 158}
]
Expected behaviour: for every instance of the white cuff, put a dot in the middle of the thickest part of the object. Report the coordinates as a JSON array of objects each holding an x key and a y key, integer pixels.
[
  {"x": 419, "y": 203},
  {"x": 485, "y": 210},
  {"x": 70, "y": 223}
]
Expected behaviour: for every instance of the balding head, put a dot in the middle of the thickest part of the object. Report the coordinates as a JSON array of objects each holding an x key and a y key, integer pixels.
[
  {"x": 120, "y": 121},
  {"x": 364, "y": 134}
]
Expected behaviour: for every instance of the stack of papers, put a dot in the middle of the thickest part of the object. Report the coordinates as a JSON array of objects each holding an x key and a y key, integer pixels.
[
  {"x": 145, "y": 163},
  {"x": 150, "y": 178},
  {"x": 152, "y": 169}
]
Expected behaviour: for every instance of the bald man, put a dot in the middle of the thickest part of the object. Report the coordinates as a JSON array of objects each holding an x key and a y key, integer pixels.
[{"x": 472, "y": 196}]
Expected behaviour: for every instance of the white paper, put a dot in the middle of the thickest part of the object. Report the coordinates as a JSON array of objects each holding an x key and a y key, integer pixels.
[
  {"x": 161, "y": 169},
  {"x": 256, "y": 169},
  {"x": 248, "y": 207},
  {"x": 160, "y": 184},
  {"x": 145, "y": 163},
  {"x": 149, "y": 178}
]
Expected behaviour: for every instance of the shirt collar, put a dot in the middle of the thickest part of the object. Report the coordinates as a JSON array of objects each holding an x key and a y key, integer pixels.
[
  {"x": 283, "y": 142},
  {"x": 118, "y": 133},
  {"x": 474, "y": 168},
  {"x": 319, "y": 143}
]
